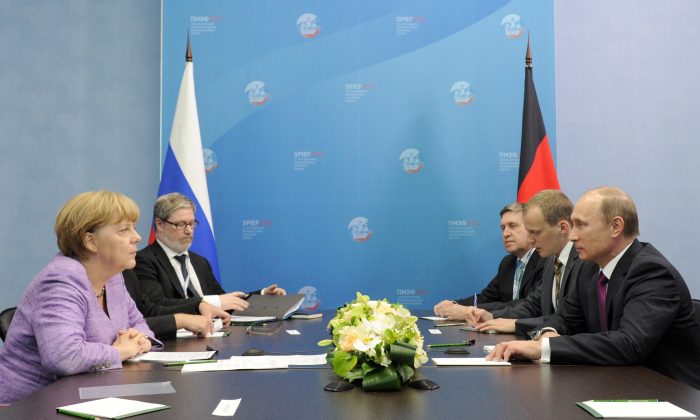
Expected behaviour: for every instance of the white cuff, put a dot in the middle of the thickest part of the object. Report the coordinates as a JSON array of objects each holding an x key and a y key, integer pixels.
[
  {"x": 546, "y": 351},
  {"x": 212, "y": 300}
]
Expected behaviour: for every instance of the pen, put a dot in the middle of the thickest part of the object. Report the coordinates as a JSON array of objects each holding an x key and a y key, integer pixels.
[
  {"x": 193, "y": 362},
  {"x": 475, "y": 301},
  {"x": 463, "y": 343}
]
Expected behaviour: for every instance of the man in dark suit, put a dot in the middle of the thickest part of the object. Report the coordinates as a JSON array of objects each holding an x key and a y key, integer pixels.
[
  {"x": 170, "y": 274},
  {"x": 548, "y": 221},
  {"x": 632, "y": 307},
  {"x": 164, "y": 321},
  {"x": 519, "y": 272}
]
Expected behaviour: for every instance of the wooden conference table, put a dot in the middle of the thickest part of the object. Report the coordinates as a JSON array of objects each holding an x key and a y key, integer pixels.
[{"x": 524, "y": 390}]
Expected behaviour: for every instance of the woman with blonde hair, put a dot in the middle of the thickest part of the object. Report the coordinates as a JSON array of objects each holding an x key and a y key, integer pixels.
[{"x": 76, "y": 315}]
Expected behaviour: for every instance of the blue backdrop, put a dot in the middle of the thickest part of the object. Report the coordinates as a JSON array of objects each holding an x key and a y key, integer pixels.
[{"x": 360, "y": 145}]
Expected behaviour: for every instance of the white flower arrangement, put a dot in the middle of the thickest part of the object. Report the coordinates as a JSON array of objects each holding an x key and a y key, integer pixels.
[{"x": 377, "y": 342}]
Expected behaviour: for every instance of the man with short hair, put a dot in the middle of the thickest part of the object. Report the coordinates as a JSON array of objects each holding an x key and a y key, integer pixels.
[
  {"x": 547, "y": 217},
  {"x": 170, "y": 273},
  {"x": 519, "y": 272},
  {"x": 630, "y": 307}
]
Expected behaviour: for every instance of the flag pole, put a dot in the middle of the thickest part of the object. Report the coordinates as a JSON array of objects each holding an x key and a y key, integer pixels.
[{"x": 537, "y": 171}]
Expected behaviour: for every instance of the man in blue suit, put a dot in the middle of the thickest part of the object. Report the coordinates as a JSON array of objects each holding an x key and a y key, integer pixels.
[{"x": 631, "y": 307}]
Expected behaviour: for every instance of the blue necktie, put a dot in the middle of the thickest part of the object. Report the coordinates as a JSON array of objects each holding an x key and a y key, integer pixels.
[
  {"x": 189, "y": 290},
  {"x": 519, "y": 270}
]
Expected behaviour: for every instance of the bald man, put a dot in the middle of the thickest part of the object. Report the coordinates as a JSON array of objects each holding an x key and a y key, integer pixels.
[{"x": 631, "y": 307}]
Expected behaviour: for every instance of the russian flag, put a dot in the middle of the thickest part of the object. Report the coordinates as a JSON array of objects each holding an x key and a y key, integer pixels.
[
  {"x": 537, "y": 170},
  {"x": 183, "y": 169}
]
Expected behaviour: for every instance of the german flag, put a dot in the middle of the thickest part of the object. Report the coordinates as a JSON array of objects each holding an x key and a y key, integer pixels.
[{"x": 537, "y": 171}]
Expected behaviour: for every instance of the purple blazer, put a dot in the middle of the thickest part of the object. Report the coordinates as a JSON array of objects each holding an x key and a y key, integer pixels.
[{"x": 60, "y": 329}]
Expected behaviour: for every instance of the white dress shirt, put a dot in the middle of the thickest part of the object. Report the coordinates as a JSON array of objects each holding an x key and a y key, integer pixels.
[
  {"x": 608, "y": 271},
  {"x": 210, "y": 299}
]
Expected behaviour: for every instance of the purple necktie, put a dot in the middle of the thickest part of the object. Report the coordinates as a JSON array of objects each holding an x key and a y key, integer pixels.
[{"x": 602, "y": 292}]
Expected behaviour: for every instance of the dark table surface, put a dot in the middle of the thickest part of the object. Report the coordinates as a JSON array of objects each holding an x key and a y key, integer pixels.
[{"x": 524, "y": 391}]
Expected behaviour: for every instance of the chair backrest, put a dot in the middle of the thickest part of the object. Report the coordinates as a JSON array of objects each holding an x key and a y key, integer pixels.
[
  {"x": 696, "y": 305},
  {"x": 5, "y": 320}
]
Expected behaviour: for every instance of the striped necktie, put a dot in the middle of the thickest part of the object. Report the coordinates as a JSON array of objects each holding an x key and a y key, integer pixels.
[
  {"x": 519, "y": 270},
  {"x": 189, "y": 290}
]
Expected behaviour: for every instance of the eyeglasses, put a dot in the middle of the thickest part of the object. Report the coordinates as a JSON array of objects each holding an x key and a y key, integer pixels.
[
  {"x": 182, "y": 225},
  {"x": 263, "y": 330}
]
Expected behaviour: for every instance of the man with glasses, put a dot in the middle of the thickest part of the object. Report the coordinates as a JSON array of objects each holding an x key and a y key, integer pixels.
[{"x": 170, "y": 273}]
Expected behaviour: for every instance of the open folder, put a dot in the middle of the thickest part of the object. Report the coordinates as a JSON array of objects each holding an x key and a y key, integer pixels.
[{"x": 281, "y": 307}]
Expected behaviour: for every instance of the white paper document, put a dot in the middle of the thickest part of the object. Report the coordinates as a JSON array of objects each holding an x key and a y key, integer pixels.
[
  {"x": 635, "y": 410},
  {"x": 172, "y": 356},
  {"x": 237, "y": 363},
  {"x": 434, "y": 318},
  {"x": 434, "y": 331},
  {"x": 110, "y": 408},
  {"x": 226, "y": 408},
  {"x": 466, "y": 361},
  {"x": 301, "y": 360},
  {"x": 258, "y": 362},
  {"x": 182, "y": 333},
  {"x": 489, "y": 348}
]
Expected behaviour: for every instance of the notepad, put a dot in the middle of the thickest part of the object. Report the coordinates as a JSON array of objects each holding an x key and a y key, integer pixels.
[
  {"x": 613, "y": 409},
  {"x": 110, "y": 408},
  {"x": 466, "y": 361},
  {"x": 240, "y": 318},
  {"x": 303, "y": 315}
]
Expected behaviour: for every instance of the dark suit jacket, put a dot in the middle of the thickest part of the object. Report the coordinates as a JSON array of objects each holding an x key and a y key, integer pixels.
[
  {"x": 159, "y": 318},
  {"x": 529, "y": 311},
  {"x": 650, "y": 319},
  {"x": 500, "y": 290},
  {"x": 160, "y": 282}
]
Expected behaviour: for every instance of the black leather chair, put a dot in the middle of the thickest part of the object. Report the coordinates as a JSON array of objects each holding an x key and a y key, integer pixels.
[
  {"x": 696, "y": 305},
  {"x": 5, "y": 320}
]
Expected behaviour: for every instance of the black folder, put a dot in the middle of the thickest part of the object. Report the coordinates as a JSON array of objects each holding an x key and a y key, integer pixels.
[{"x": 281, "y": 307}]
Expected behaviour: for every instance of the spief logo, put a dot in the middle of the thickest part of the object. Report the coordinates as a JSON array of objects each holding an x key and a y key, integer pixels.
[
  {"x": 256, "y": 93},
  {"x": 410, "y": 159},
  {"x": 462, "y": 93},
  {"x": 311, "y": 301},
  {"x": 210, "y": 160},
  {"x": 512, "y": 27},
  {"x": 307, "y": 24},
  {"x": 359, "y": 228}
]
